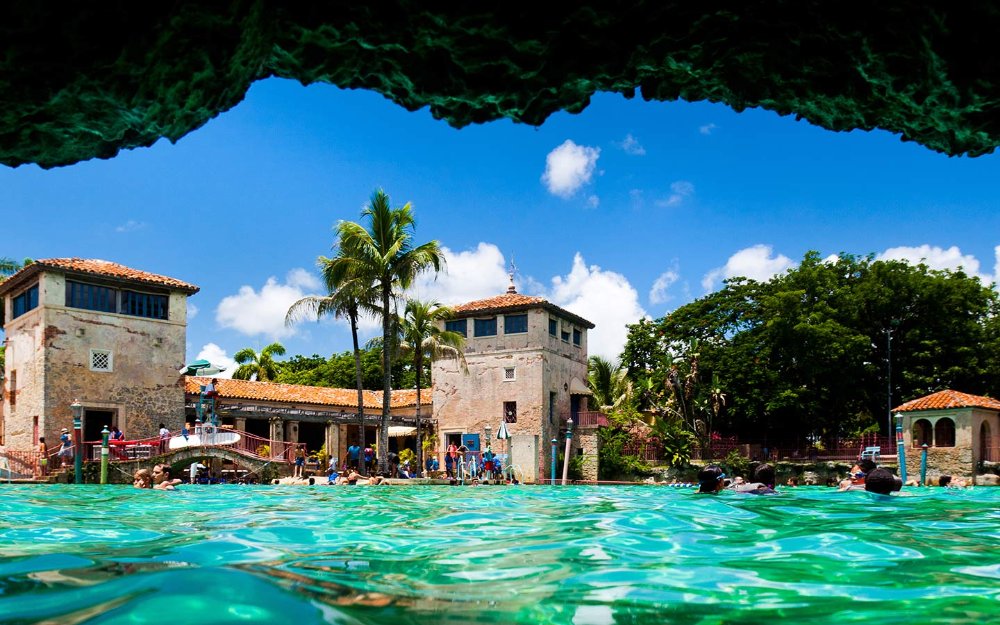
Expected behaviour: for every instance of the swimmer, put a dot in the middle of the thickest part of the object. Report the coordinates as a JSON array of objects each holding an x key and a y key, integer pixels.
[
  {"x": 711, "y": 479},
  {"x": 856, "y": 479},
  {"x": 162, "y": 478},
  {"x": 882, "y": 482},
  {"x": 142, "y": 479}
]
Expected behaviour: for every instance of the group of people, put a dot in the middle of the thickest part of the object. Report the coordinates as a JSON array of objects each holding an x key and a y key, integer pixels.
[
  {"x": 865, "y": 475},
  {"x": 160, "y": 478}
]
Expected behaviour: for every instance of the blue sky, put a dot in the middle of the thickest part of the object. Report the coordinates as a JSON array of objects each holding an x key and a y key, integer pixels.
[{"x": 629, "y": 208}]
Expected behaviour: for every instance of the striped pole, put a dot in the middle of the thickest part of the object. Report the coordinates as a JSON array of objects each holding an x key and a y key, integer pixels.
[
  {"x": 104, "y": 455},
  {"x": 923, "y": 464},
  {"x": 569, "y": 441},
  {"x": 900, "y": 447},
  {"x": 555, "y": 445},
  {"x": 77, "y": 409}
]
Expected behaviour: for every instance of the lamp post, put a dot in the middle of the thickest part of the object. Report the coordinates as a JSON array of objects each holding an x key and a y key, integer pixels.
[
  {"x": 104, "y": 455},
  {"x": 555, "y": 443},
  {"x": 888, "y": 378},
  {"x": 77, "y": 409},
  {"x": 569, "y": 440}
]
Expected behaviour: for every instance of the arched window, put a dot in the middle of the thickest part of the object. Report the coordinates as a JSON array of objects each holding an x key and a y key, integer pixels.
[
  {"x": 944, "y": 433},
  {"x": 922, "y": 433}
]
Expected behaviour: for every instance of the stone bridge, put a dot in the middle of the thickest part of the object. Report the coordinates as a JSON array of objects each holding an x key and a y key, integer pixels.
[{"x": 121, "y": 471}]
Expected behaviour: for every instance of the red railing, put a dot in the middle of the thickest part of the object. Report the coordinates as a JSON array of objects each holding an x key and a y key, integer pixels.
[
  {"x": 22, "y": 464},
  {"x": 591, "y": 418}
]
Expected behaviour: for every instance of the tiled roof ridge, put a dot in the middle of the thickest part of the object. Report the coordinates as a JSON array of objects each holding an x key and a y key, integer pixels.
[
  {"x": 948, "y": 398},
  {"x": 304, "y": 394},
  {"x": 509, "y": 301},
  {"x": 101, "y": 267}
]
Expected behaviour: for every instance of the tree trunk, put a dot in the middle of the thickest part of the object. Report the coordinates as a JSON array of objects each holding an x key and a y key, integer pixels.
[
  {"x": 383, "y": 435},
  {"x": 418, "y": 363},
  {"x": 361, "y": 391}
]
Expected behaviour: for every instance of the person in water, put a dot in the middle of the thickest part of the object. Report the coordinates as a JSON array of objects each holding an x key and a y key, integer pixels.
[
  {"x": 711, "y": 479},
  {"x": 860, "y": 470},
  {"x": 763, "y": 481},
  {"x": 142, "y": 479},
  {"x": 163, "y": 478},
  {"x": 882, "y": 482}
]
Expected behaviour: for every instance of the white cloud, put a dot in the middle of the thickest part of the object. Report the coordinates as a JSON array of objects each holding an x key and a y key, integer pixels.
[
  {"x": 217, "y": 356},
  {"x": 603, "y": 297},
  {"x": 130, "y": 226},
  {"x": 941, "y": 258},
  {"x": 569, "y": 167},
  {"x": 707, "y": 129},
  {"x": 632, "y": 146},
  {"x": 680, "y": 191},
  {"x": 472, "y": 274},
  {"x": 254, "y": 313},
  {"x": 593, "y": 201},
  {"x": 192, "y": 311},
  {"x": 658, "y": 292},
  {"x": 757, "y": 263}
]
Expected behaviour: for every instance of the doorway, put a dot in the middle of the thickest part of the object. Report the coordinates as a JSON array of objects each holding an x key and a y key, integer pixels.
[
  {"x": 313, "y": 435},
  {"x": 94, "y": 421}
]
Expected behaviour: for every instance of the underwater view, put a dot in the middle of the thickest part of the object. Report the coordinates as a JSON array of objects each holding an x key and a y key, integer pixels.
[{"x": 580, "y": 555}]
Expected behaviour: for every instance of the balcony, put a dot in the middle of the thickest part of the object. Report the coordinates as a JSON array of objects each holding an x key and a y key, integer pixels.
[{"x": 584, "y": 419}]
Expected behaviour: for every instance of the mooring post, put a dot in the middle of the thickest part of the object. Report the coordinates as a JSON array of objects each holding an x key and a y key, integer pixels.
[
  {"x": 104, "y": 455},
  {"x": 923, "y": 464},
  {"x": 569, "y": 440},
  {"x": 77, "y": 409},
  {"x": 555, "y": 445},
  {"x": 900, "y": 451}
]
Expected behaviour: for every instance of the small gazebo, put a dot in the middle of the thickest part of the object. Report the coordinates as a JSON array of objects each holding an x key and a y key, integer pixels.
[{"x": 960, "y": 431}]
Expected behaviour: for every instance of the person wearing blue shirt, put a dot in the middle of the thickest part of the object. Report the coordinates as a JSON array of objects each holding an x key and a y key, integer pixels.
[{"x": 353, "y": 453}]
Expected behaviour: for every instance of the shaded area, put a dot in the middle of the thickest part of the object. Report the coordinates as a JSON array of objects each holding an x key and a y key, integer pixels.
[{"x": 89, "y": 81}]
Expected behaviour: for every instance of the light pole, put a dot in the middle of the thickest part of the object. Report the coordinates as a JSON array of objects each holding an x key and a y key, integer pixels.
[
  {"x": 888, "y": 359},
  {"x": 77, "y": 409}
]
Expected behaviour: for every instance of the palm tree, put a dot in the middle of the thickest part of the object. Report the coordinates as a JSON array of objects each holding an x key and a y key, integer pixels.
[
  {"x": 8, "y": 267},
  {"x": 608, "y": 382},
  {"x": 421, "y": 335},
  {"x": 346, "y": 299},
  {"x": 384, "y": 256},
  {"x": 260, "y": 367}
]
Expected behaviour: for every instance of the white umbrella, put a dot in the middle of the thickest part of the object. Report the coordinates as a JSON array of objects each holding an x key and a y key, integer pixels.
[{"x": 503, "y": 435}]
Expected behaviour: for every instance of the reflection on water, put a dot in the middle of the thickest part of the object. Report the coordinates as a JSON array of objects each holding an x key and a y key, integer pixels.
[{"x": 581, "y": 555}]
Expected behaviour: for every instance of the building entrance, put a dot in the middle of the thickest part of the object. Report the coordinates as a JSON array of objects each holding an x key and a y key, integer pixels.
[{"x": 94, "y": 422}]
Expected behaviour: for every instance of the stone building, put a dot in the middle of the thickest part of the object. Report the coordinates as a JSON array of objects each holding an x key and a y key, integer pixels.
[
  {"x": 960, "y": 430},
  {"x": 316, "y": 416},
  {"x": 109, "y": 336},
  {"x": 526, "y": 362}
]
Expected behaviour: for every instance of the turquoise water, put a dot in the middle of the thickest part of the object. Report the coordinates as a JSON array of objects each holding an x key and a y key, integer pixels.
[{"x": 448, "y": 555}]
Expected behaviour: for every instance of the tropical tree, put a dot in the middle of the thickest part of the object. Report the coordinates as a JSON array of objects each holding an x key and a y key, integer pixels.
[
  {"x": 8, "y": 267},
  {"x": 347, "y": 298},
  {"x": 608, "y": 382},
  {"x": 384, "y": 256},
  {"x": 258, "y": 366},
  {"x": 422, "y": 336}
]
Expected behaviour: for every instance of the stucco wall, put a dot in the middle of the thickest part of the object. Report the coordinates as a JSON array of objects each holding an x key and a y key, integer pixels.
[
  {"x": 25, "y": 362},
  {"x": 958, "y": 461}
]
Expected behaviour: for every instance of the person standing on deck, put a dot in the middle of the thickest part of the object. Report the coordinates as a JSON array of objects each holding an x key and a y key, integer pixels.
[{"x": 164, "y": 438}]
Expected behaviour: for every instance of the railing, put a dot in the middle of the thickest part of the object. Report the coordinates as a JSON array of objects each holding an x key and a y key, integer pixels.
[
  {"x": 649, "y": 450},
  {"x": 591, "y": 418},
  {"x": 21, "y": 464}
]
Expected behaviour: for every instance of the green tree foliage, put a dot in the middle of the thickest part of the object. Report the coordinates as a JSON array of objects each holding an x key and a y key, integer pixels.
[
  {"x": 382, "y": 254},
  {"x": 421, "y": 337},
  {"x": 804, "y": 355},
  {"x": 258, "y": 366},
  {"x": 338, "y": 371}
]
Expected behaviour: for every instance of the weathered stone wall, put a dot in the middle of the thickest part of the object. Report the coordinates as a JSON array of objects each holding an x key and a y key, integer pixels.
[
  {"x": 588, "y": 444},
  {"x": 25, "y": 367},
  {"x": 958, "y": 461}
]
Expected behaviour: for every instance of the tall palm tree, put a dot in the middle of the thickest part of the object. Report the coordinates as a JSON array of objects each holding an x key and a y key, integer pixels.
[
  {"x": 385, "y": 256},
  {"x": 8, "y": 267},
  {"x": 421, "y": 336},
  {"x": 608, "y": 381},
  {"x": 345, "y": 299},
  {"x": 261, "y": 367}
]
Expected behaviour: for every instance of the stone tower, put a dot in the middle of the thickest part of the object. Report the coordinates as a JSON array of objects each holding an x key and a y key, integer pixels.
[
  {"x": 94, "y": 331},
  {"x": 527, "y": 362}
]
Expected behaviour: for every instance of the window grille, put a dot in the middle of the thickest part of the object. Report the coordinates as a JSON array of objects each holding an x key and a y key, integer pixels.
[
  {"x": 100, "y": 360},
  {"x": 509, "y": 374}
]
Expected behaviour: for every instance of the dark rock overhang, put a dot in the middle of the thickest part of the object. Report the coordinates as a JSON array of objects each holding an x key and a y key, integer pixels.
[{"x": 86, "y": 80}]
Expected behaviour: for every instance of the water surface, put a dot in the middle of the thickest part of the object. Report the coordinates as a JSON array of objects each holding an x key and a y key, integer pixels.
[{"x": 443, "y": 555}]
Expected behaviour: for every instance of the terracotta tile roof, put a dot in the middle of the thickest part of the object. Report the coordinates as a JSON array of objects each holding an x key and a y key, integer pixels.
[
  {"x": 948, "y": 399},
  {"x": 509, "y": 302},
  {"x": 299, "y": 394},
  {"x": 102, "y": 268}
]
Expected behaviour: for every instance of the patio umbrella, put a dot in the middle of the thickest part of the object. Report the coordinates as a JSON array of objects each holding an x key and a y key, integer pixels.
[{"x": 504, "y": 435}]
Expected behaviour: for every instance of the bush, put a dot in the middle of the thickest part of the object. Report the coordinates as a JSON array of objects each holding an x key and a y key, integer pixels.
[
  {"x": 614, "y": 465},
  {"x": 736, "y": 464}
]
